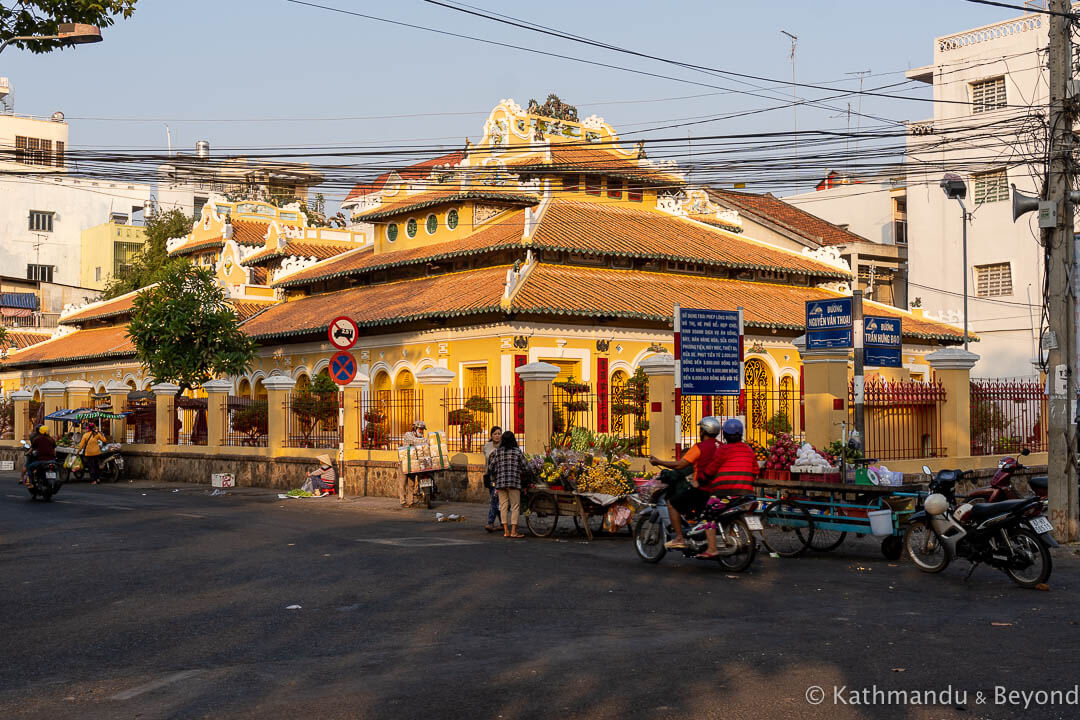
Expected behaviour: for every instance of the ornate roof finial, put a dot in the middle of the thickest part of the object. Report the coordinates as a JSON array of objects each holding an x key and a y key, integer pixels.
[
  {"x": 554, "y": 108},
  {"x": 641, "y": 150}
]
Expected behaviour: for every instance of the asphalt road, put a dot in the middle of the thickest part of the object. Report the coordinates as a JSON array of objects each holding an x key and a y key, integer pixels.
[{"x": 128, "y": 602}]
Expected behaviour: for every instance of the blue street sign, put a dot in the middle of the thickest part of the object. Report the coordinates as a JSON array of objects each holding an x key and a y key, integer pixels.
[
  {"x": 882, "y": 339},
  {"x": 710, "y": 352},
  {"x": 342, "y": 368},
  {"x": 828, "y": 324}
]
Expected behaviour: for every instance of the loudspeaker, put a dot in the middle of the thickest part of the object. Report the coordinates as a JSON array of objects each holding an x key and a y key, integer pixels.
[{"x": 1022, "y": 204}]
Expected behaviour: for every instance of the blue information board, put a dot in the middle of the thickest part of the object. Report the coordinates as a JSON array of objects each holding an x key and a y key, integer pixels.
[
  {"x": 828, "y": 324},
  {"x": 710, "y": 352},
  {"x": 882, "y": 338}
]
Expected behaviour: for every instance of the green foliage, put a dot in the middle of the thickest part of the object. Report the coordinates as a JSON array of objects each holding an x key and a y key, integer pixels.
[
  {"x": 314, "y": 406},
  {"x": 43, "y": 17},
  {"x": 252, "y": 420},
  {"x": 988, "y": 424},
  {"x": 5, "y": 341},
  {"x": 466, "y": 419},
  {"x": 837, "y": 448},
  {"x": 153, "y": 262},
  {"x": 323, "y": 384},
  {"x": 778, "y": 424},
  {"x": 185, "y": 333}
]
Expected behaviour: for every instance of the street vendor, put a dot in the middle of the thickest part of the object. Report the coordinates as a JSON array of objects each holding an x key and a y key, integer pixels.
[
  {"x": 416, "y": 437},
  {"x": 324, "y": 478},
  {"x": 44, "y": 449},
  {"x": 722, "y": 470}
]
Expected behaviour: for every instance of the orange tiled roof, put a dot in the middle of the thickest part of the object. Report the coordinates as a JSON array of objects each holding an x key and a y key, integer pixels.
[
  {"x": 20, "y": 339},
  {"x": 195, "y": 245},
  {"x": 98, "y": 343},
  {"x": 411, "y": 172},
  {"x": 250, "y": 232},
  {"x": 587, "y": 159},
  {"x": 246, "y": 309},
  {"x": 617, "y": 230},
  {"x": 795, "y": 219},
  {"x": 504, "y": 232},
  {"x": 102, "y": 310},
  {"x": 321, "y": 249},
  {"x": 441, "y": 296},
  {"x": 453, "y": 193},
  {"x": 589, "y": 292}
]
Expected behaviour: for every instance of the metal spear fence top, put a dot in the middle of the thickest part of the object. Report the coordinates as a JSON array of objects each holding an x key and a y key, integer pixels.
[
  {"x": 385, "y": 417},
  {"x": 1007, "y": 414},
  {"x": 903, "y": 418},
  {"x": 311, "y": 419},
  {"x": 469, "y": 414},
  {"x": 246, "y": 422}
]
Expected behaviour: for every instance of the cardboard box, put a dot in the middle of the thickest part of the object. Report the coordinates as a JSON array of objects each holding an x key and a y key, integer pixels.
[
  {"x": 425, "y": 458},
  {"x": 222, "y": 480}
]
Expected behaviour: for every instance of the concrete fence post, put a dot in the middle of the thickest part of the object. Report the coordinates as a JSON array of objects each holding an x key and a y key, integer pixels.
[
  {"x": 165, "y": 413},
  {"x": 537, "y": 378},
  {"x": 22, "y": 399},
  {"x": 278, "y": 388},
  {"x": 952, "y": 366},
  {"x": 118, "y": 393},
  {"x": 352, "y": 396},
  {"x": 825, "y": 393},
  {"x": 660, "y": 369},
  {"x": 433, "y": 382},
  {"x": 78, "y": 394},
  {"x": 53, "y": 396},
  {"x": 217, "y": 402}
]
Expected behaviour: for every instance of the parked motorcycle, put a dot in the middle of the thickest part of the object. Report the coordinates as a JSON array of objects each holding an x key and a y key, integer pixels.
[
  {"x": 44, "y": 480},
  {"x": 1001, "y": 487},
  {"x": 736, "y": 545},
  {"x": 110, "y": 465},
  {"x": 1010, "y": 535}
]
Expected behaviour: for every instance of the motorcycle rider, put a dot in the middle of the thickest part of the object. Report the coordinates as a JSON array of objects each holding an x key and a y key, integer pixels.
[
  {"x": 44, "y": 448},
  {"x": 721, "y": 470}
]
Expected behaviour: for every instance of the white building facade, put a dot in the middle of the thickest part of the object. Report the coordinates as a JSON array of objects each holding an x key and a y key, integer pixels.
[{"x": 990, "y": 84}]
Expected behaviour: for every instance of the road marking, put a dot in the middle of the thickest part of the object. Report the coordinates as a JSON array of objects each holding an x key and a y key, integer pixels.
[
  {"x": 422, "y": 541},
  {"x": 191, "y": 515},
  {"x": 154, "y": 685},
  {"x": 116, "y": 507},
  {"x": 15, "y": 496}
]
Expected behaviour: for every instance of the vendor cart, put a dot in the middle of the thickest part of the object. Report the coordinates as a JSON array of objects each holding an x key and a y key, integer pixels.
[
  {"x": 798, "y": 514},
  {"x": 545, "y": 505}
]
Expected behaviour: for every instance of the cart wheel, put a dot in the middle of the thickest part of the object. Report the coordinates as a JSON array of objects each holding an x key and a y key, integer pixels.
[
  {"x": 114, "y": 474},
  {"x": 892, "y": 548},
  {"x": 542, "y": 514},
  {"x": 825, "y": 540},
  {"x": 786, "y": 528}
]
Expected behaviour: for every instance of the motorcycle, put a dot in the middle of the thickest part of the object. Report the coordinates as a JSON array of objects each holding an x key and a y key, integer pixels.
[
  {"x": 110, "y": 465},
  {"x": 44, "y": 480},
  {"x": 736, "y": 545},
  {"x": 1001, "y": 487},
  {"x": 1010, "y": 535}
]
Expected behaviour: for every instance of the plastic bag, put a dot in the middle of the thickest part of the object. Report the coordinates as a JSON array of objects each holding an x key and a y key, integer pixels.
[
  {"x": 76, "y": 463},
  {"x": 307, "y": 486}
]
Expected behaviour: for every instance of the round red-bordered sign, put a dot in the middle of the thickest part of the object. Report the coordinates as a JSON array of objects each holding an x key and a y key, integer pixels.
[
  {"x": 343, "y": 332},
  {"x": 342, "y": 367}
]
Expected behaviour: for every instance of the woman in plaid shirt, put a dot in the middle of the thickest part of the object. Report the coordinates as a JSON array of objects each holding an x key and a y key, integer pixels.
[{"x": 507, "y": 465}]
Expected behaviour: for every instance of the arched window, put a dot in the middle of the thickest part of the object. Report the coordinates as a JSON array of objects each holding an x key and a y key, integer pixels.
[
  {"x": 617, "y": 385},
  {"x": 758, "y": 382},
  {"x": 244, "y": 388}
]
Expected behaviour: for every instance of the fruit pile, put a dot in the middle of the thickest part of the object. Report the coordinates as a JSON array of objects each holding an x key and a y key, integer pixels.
[
  {"x": 782, "y": 453},
  {"x": 610, "y": 478},
  {"x": 760, "y": 453}
]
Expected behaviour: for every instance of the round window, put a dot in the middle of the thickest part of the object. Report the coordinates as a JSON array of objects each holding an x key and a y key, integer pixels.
[
  {"x": 410, "y": 227},
  {"x": 451, "y": 219},
  {"x": 391, "y": 232},
  {"x": 432, "y": 224}
]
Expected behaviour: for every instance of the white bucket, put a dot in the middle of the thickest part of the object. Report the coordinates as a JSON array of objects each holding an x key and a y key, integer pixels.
[{"x": 880, "y": 522}]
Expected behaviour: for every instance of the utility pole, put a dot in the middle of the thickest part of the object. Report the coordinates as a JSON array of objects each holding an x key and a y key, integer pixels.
[
  {"x": 794, "y": 105},
  {"x": 1060, "y": 250}
]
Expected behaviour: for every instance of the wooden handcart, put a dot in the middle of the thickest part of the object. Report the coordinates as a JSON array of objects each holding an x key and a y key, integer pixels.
[
  {"x": 801, "y": 515},
  {"x": 544, "y": 506}
]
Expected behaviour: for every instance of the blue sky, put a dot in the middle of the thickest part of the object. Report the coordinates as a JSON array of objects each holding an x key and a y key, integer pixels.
[{"x": 210, "y": 69}]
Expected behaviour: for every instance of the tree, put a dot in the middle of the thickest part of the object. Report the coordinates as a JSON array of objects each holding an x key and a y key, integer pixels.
[
  {"x": 5, "y": 342},
  {"x": 634, "y": 401},
  {"x": 316, "y": 405},
  {"x": 184, "y": 332},
  {"x": 150, "y": 265},
  {"x": 43, "y": 17}
]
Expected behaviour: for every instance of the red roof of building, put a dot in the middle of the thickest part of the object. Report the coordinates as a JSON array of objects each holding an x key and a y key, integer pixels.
[
  {"x": 411, "y": 172},
  {"x": 795, "y": 219}
]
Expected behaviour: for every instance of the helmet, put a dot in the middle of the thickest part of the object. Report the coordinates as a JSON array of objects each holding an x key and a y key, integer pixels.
[
  {"x": 44, "y": 429},
  {"x": 710, "y": 425},
  {"x": 733, "y": 426},
  {"x": 419, "y": 424},
  {"x": 936, "y": 504}
]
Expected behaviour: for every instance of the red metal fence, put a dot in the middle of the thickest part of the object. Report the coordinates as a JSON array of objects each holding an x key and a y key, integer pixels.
[
  {"x": 623, "y": 411},
  {"x": 1007, "y": 414},
  {"x": 142, "y": 423},
  {"x": 902, "y": 419},
  {"x": 469, "y": 414},
  {"x": 385, "y": 417},
  {"x": 246, "y": 422}
]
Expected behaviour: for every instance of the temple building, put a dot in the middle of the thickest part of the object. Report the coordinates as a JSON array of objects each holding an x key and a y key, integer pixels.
[{"x": 546, "y": 240}]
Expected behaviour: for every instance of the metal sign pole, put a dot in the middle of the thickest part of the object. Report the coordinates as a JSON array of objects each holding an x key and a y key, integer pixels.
[
  {"x": 857, "y": 328},
  {"x": 742, "y": 367},
  {"x": 677, "y": 324}
]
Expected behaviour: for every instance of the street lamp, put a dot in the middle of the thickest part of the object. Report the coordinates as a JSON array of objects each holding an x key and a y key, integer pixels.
[
  {"x": 956, "y": 189},
  {"x": 69, "y": 33}
]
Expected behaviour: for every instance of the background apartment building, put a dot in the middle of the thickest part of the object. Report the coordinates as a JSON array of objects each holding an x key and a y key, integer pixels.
[{"x": 987, "y": 128}]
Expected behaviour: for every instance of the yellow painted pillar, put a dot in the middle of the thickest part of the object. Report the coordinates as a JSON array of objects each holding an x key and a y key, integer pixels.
[
  {"x": 952, "y": 366},
  {"x": 53, "y": 395},
  {"x": 278, "y": 388},
  {"x": 22, "y": 399},
  {"x": 825, "y": 393},
  {"x": 661, "y": 371},
  {"x": 78, "y": 394},
  {"x": 217, "y": 398},
  {"x": 536, "y": 378},
  {"x": 353, "y": 411},
  {"x": 165, "y": 413},
  {"x": 118, "y": 393},
  {"x": 433, "y": 382}
]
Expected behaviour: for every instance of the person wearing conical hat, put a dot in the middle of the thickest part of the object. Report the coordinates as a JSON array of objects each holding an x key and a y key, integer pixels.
[{"x": 324, "y": 478}]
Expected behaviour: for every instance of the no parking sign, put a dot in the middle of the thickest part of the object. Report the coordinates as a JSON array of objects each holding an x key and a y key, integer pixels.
[{"x": 343, "y": 368}]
